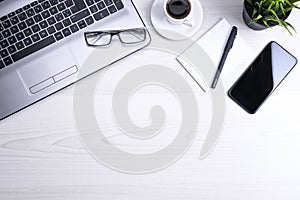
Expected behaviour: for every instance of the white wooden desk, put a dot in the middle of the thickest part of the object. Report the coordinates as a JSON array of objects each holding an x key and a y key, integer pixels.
[{"x": 257, "y": 156}]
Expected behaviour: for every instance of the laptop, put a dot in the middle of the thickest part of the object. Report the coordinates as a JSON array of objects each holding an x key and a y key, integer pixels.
[{"x": 42, "y": 47}]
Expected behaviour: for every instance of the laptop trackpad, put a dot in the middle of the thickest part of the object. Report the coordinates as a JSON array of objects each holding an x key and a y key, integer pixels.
[{"x": 48, "y": 68}]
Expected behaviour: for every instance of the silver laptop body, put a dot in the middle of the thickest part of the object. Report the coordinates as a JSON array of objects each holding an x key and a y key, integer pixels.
[{"x": 54, "y": 67}]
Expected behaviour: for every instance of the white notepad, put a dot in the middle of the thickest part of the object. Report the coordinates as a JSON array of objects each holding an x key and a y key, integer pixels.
[{"x": 213, "y": 42}]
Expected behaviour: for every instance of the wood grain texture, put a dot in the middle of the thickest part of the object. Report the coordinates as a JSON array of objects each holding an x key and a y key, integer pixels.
[{"x": 41, "y": 156}]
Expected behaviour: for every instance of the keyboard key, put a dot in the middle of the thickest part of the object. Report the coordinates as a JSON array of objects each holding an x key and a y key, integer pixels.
[
  {"x": 66, "y": 32},
  {"x": 53, "y": 2},
  {"x": 4, "y": 53},
  {"x": 12, "y": 49},
  {"x": 22, "y": 16},
  {"x": 37, "y": 18},
  {"x": 80, "y": 4},
  {"x": 20, "y": 45},
  {"x": 26, "y": 7},
  {"x": 36, "y": 28},
  {"x": 1, "y": 27},
  {"x": 20, "y": 36},
  {"x": 94, "y": 9},
  {"x": 69, "y": 3},
  {"x": 1, "y": 64},
  {"x": 51, "y": 20},
  {"x": 30, "y": 12},
  {"x": 108, "y": 2},
  {"x": 117, "y": 1},
  {"x": 101, "y": 14},
  {"x": 3, "y": 18},
  {"x": 12, "y": 39},
  {"x": 30, "y": 22},
  {"x": 89, "y": 20},
  {"x": 19, "y": 10},
  {"x": 35, "y": 37},
  {"x": 6, "y": 33},
  {"x": 53, "y": 10},
  {"x": 6, "y": 24},
  {"x": 1, "y": 37},
  {"x": 119, "y": 4},
  {"x": 89, "y": 2},
  {"x": 61, "y": 6},
  {"x": 38, "y": 9},
  {"x": 34, "y": 3},
  {"x": 14, "y": 29},
  {"x": 45, "y": 14},
  {"x": 33, "y": 48},
  {"x": 59, "y": 17},
  {"x": 27, "y": 41},
  {"x": 4, "y": 43},
  {"x": 46, "y": 5},
  {"x": 51, "y": 30},
  {"x": 74, "y": 28},
  {"x": 11, "y": 14},
  {"x": 27, "y": 32},
  {"x": 43, "y": 24},
  {"x": 14, "y": 20},
  {"x": 74, "y": 9},
  {"x": 7, "y": 61},
  {"x": 43, "y": 33},
  {"x": 80, "y": 15},
  {"x": 81, "y": 24},
  {"x": 67, "y": 13},
  {"x": 112, "y": 9},
  {"x": 101, "y": 5},
  {"x": 59, "y": 26},
  {"x": 67, "y": 22},
  {"x": 58, "y": 36},
  {"x": 22, "y": 25}
]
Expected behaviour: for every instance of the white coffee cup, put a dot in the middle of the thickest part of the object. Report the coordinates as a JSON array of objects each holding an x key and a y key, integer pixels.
[{"x": 184, "y": 18}]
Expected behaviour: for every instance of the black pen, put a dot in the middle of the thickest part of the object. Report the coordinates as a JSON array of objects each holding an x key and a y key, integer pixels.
[{"x": 228, "y": 46}]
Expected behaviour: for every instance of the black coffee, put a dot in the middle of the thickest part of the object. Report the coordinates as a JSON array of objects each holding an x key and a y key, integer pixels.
[{"x": 178, "y": 9}]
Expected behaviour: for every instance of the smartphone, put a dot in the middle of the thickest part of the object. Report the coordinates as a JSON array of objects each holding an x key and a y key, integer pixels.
[{"x": 262, "y": 77}]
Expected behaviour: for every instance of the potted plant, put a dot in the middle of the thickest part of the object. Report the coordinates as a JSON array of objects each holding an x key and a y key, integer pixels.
[{"x": 262, "y": 14}]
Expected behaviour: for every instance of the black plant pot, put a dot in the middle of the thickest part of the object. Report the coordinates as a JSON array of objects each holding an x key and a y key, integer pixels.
[{"x": 255, "y": 25}]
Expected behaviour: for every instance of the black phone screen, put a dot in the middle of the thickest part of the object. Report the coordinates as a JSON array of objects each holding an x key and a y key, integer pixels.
[{"x": 262, "y": 77}]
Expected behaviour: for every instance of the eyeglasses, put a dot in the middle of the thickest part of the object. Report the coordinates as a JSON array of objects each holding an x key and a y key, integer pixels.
[{"x": 104, "y": 38}]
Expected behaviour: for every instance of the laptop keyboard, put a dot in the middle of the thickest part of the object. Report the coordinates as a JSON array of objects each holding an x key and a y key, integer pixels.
[{"x": 45, "y": 22}]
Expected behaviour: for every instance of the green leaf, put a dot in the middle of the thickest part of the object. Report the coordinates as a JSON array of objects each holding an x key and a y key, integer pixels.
[
  {"x": 289, "y": 3},
  {"x": 250, "y": 2},
  {"x": 271, "y": 5},
  {"x": 266, "y": 23},
  {"x": 290, "y": 25},
  {"x": 285, "y": 25},
  {"x": 277, "y": 5},
  {"x": 294, "y": 1},
  {"x": 254, "y": 12},
  {"x": 275, "y": 14},
  {"x": 258, "y": 17},
  {"x": 282, "y": 9}
]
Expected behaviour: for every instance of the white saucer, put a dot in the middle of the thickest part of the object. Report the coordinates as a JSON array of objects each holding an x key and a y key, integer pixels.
[{"x": 173, "y": 31}]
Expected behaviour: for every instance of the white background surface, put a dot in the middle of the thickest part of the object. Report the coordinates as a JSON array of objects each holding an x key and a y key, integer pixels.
[{"x": 257, "y": 157}]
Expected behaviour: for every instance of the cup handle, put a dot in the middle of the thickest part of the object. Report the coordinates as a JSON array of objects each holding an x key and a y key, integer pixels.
[{"x": 189, "y": 22}]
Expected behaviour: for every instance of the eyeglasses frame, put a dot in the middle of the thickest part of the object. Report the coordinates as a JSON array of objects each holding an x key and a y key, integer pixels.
[{"x": 113, "y": 33}]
